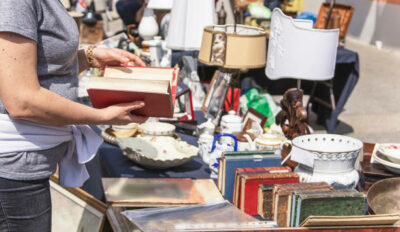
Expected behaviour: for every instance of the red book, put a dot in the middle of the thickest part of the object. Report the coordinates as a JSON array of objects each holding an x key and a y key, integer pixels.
[
  {"x": 252, "y": 171},
  {"x": 250, "y": 183},
  {"x": 155, "y": 86}
]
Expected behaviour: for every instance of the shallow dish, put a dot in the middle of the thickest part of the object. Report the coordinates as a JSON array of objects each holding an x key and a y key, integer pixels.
[
  {"x": 391, "y": 151},
  {"x": 157, "y": 152},
  {"x": 384, "y": 196},
  {"x": 393, "y": 167},
  {"x": 110, "y": 135}
]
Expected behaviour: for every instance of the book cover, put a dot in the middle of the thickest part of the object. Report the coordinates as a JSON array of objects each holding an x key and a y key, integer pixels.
[
  {"x": 264, "y": 206},
  {"x": 230, "y": 163},
  {"x": 149, "y": 192},
  {"x": 329, "y": 203},
  {"x": 282, "y": 199},
  {"x": 252, "y": 171},
  {"x": 157, "y": 89},
  {"x": 250, "y": 183},
  {"x": 295, "y": 196},
  {"x": 221, "y": 168}
]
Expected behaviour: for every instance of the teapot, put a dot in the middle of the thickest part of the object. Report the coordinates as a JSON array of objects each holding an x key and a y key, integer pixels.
[
  {"x": 218, "y": 148},
  {"x": 265, "y": 142}
]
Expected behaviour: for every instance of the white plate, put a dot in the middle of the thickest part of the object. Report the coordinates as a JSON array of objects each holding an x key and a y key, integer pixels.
[
  {"x": 391, "y": 151},
  {"x": 395, "y": 168}
]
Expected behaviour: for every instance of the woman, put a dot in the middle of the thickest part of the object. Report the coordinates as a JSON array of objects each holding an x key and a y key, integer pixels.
[{"x": 39, "y": 66}]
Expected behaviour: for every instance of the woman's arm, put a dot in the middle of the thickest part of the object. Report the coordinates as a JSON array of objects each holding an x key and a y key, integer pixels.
[
  {"x": 107, "y": 56},
  {"x": 24, "y": 98}
]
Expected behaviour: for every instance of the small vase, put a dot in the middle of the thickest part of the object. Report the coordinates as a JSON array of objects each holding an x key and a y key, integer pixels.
[{"x": 148, "y": 27}]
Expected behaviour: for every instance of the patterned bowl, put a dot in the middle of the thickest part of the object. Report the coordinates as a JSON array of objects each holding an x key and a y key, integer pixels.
[{"x": 157, "y": 152}]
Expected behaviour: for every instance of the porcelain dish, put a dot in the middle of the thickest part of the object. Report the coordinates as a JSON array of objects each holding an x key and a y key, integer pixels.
[
  {"x": 157, "y": 152},
  {"x": 110, "y": 134},
  {"x": 391, "y": 151},
  {"x": 157, "y": 128}
]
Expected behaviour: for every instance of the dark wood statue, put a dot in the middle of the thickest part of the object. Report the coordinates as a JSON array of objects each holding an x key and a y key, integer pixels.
[
  {"x": 292, "y": 119},
  {"x": 293, "y": 116}
]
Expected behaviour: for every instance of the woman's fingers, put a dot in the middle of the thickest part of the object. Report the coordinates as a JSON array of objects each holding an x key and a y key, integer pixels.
[
  {"x": 131, "y": 106},
  {"x": 133, "y": 58},
  {"x": 119, "y": 58}
]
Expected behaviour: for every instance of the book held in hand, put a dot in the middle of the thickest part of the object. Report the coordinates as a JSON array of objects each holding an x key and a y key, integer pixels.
[{"x": 156, "y": 87}]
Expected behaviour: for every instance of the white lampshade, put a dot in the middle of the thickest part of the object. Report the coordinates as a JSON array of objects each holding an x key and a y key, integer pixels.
[
  {"x": 160, "y": 4},
  {"x": 188, "y": 19},
  {"x": 295, "y": 50}
]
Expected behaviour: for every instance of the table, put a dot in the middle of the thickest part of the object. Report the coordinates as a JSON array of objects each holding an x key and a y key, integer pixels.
[{"x": 344, "y": 81}]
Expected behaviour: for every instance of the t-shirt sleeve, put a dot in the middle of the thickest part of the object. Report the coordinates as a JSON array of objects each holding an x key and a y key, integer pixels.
[{"x": 20, "y": 17}]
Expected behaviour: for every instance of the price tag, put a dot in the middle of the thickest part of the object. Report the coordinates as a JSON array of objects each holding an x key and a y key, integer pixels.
[{"x": 302, "y": 156}]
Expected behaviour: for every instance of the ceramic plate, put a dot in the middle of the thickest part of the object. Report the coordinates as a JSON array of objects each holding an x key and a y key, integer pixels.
[
  {"x": 157, "y": 152},
  {"x": 391, "y": 151},
  {"x": 157, "y": 128},
  {"x": 393, "y": 167}
]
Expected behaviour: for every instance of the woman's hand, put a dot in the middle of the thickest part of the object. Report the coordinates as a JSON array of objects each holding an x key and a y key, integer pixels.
[
  {"x": 114, "y": 56},
  {"x": 121, "y": 114}
]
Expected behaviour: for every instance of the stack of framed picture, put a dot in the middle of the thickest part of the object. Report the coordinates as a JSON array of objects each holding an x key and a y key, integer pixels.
[{"x": 73, "y": 209}]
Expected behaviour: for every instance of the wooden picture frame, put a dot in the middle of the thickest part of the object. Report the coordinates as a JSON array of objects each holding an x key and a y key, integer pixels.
[
  {"x": 251, "y": 116},
  {"x": 343, "y": 13},
  {"x": 73, "y": 209},
  {"x": 216, "y": 94}
]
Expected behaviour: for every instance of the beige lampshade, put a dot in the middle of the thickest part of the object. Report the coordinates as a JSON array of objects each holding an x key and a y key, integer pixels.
[{"x": 222, "y": 46}]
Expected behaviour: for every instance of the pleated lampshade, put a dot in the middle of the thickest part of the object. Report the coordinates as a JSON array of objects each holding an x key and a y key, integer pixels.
[
  {"x": 188, "y": 19},
  {"x": 240, "y": 48}
]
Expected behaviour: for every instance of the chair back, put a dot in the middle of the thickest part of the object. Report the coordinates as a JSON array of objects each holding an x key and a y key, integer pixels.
[{"x": 298, "y": 51}]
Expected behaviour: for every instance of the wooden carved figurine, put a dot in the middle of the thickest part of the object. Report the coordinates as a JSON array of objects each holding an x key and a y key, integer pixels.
[
  {"x": 293, "y": 116},
  {"x": 292, "y": 119}
]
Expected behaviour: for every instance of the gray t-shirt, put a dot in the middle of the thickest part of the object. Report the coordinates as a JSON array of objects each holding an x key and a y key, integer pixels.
[{"x": 57, "y": 37}]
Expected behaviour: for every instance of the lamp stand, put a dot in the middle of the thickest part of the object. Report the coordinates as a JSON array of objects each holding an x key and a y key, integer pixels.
[{"x": 235, "y": 80}]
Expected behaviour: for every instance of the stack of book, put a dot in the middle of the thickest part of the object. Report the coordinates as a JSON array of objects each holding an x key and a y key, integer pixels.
[
  {"x": 282, "y": 199},
  {"x": 230, "y": 161},
  {"x": 290, "y": 204},
  {"x": 326, "y": 203},
  {"x": 248, "y": 180}
]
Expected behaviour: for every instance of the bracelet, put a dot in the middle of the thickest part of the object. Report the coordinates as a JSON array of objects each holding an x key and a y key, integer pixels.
[{"x": 89, "y": 55}]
